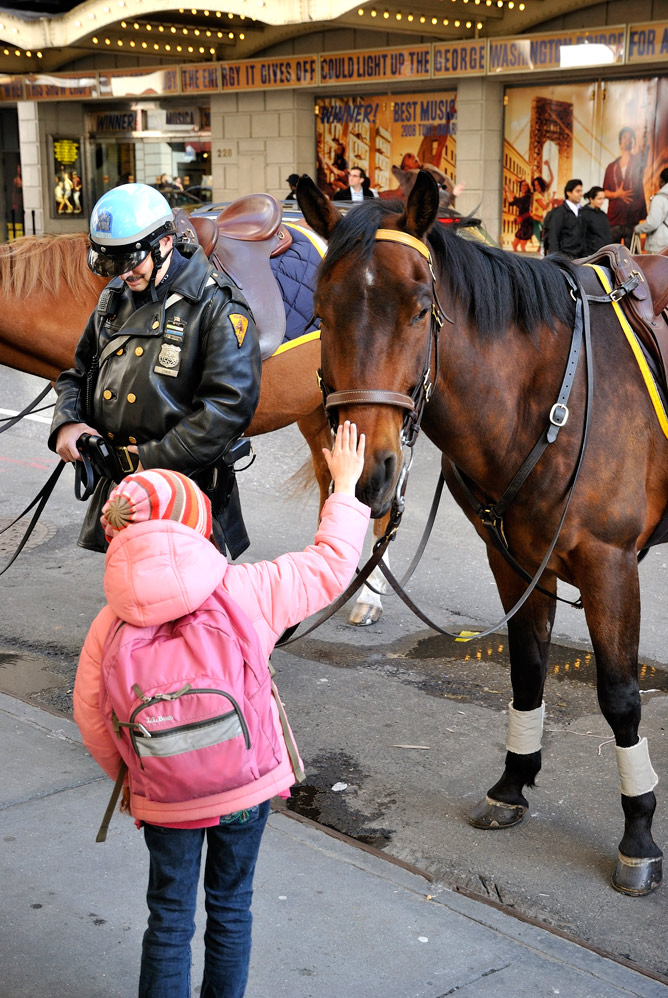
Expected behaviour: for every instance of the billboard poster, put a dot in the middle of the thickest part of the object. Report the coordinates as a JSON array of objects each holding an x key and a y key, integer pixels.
[
  {"x": 67, "y": 185},
  {"x": 605, "y": 133},
  {"x": 377, "y": 133}
]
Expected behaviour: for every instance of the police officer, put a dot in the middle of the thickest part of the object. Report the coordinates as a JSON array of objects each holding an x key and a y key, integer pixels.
[{"x": 167, "y": 371}]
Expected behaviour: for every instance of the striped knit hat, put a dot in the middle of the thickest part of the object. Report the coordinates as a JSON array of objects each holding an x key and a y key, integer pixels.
[{"x": 156, "y": 495}]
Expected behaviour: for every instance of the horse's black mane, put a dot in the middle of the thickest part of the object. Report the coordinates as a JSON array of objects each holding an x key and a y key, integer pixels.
[{"x": 494, "y": 288}]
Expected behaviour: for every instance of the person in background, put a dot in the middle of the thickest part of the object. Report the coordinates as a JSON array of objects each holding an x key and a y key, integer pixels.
[
  {"x": 656, "y": 223},
  {"x": 540, "y": 202},
  {"x": 595, "y": 223},
  {"x": 292, "y": 180},
  {"x": 68, "y": 189},
  {"x": 563, "y": 227},
  {"x": 167, "y": 370},
  {"x": 623, "y": 185},
  {"x": 17, "y": 196},
  {"x": 359, "y": 187},
  {"x": 77, "y": 187},
  {"x": 161, "y": 565},
  {"x": 522, "y": 202},
  {"x": 339, "y": 167},
  {"x": 64, "y": 206}
]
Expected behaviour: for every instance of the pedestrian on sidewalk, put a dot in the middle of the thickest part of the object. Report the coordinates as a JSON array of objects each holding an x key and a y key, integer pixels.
[
  {"x": 160, "y": 566},
  {"x": 563, "y": 229},
  {"x": 656, "y": 223},
  {"x": 595, "y": 225}
]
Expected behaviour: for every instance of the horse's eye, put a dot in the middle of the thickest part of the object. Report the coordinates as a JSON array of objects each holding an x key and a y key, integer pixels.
[{"x": 421, "y": 315}]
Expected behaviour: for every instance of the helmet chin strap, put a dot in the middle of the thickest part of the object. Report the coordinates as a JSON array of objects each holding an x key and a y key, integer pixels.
[{"x": 158, "y": 261}]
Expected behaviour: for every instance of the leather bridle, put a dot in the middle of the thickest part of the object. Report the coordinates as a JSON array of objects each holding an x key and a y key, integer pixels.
[{"x": 415, "y": 402}]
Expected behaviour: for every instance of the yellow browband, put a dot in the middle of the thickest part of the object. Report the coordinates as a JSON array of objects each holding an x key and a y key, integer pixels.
[{"x": 392, "y": 236}]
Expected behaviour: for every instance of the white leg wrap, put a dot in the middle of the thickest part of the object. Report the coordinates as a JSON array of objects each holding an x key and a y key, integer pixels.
[
  {"x": 525, "y": 729},
  {"x": 636, "y": 775}
]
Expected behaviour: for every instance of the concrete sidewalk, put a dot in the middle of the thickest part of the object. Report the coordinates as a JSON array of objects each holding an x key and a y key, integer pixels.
[{"x": 331, "y": 920}]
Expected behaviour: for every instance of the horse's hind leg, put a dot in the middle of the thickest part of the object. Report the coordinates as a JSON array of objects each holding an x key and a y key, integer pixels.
[
  {"x": 529, "y": 633},
  {"x": 612, "y": 605}
]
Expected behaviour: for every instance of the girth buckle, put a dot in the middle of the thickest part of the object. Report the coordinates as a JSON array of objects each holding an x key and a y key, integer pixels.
[{"x": 559, "y": 414}]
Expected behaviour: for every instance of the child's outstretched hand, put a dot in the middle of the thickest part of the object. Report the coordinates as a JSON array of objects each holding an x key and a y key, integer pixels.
[{"x": 346, "y": 458}]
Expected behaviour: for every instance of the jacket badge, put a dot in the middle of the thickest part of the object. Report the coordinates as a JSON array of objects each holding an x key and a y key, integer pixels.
[
  {"x": 168, "y": 360},
  {"x": 239, "y": 325}
]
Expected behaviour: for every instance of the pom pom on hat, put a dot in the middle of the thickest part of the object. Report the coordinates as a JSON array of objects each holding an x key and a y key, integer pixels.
[{"x": 156, "y": 495}]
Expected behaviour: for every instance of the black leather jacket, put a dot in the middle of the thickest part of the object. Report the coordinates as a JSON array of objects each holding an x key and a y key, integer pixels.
[
  {"x": 180, "y": 378},
  {"x": 565, "y": 232}
]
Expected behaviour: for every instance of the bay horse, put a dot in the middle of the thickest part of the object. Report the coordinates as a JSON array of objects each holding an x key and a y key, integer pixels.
[{"x": 390, "y": 277}]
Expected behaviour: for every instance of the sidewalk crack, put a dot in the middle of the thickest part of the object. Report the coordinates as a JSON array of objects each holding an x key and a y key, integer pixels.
[{"x": 50, "y": 793}]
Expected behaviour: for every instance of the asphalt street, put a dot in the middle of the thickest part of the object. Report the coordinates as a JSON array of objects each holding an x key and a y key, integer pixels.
[{"x": 407, "y": 725}]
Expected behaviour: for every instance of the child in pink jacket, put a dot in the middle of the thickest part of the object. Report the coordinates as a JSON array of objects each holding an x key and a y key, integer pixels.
[{"x": 160, "y": 565}]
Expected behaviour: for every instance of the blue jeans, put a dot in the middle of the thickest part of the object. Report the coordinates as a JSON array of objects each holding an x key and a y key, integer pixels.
[{"x": 232, "y": 849}]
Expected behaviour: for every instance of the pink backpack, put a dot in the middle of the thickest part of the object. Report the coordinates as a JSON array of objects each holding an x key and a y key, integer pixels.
[{"x": 190, "y": 704}]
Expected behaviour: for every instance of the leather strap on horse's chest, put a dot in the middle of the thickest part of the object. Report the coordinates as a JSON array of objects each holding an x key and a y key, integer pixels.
[
  {"x": 491, "y": 514},
  {"x": 632, "y": 338}
]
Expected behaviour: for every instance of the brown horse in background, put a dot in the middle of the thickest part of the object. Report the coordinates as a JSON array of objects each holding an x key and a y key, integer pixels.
[
  {"x": 493, "y": 379},
  {"x": 47, "y": 294}
]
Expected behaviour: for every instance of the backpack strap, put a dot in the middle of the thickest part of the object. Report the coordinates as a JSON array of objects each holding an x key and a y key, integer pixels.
[
  {"x": 290, "y": 743},
  {"x": 115, "y": 794}
]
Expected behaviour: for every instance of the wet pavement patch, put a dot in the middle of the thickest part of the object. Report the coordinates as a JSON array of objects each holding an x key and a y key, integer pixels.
[
  {"x": 564, "y": 662},
  {"x": 22, "y": 674},
  {"x": 318, "y": 800},
  {"x": 44, "y": 681}
]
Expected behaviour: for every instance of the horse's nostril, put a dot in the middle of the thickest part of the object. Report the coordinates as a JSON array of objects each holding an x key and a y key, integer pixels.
[
  {"x": 381, "y": 479},
  {"x": 389, "y": 466}
]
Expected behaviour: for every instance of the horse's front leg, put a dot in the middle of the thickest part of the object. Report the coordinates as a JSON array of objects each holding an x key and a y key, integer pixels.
[
  {"x": 368, "y": 608},
  {"x": 529, "y": 633},
  {"x": 610, "y": 594},
  {"x": 316, "y": 431}
]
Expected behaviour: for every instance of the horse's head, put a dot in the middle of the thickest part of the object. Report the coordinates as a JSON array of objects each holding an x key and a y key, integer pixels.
[{"x": 375, "y": 301}]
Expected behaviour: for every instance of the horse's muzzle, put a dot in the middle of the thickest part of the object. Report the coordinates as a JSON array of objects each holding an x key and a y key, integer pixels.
[{"x": 378, "y": 484}]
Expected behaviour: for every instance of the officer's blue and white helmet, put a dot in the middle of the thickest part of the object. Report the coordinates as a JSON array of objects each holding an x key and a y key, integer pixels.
[{"x": 126, "y": 225}]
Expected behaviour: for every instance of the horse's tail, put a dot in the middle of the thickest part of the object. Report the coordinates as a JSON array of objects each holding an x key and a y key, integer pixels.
[{"x": 302, "y": 482}]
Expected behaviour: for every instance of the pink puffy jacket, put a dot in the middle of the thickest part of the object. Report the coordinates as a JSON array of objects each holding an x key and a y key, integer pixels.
[{"x": 160, "y": 570}]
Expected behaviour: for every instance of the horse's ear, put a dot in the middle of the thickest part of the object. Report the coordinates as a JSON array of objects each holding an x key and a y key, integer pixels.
[
  {"x": 421, "y": 207},
  {"x": 317, "y": 209}
]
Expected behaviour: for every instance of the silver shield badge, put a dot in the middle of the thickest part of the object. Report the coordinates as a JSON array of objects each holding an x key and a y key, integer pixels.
[{"x": 169, "y": 356}]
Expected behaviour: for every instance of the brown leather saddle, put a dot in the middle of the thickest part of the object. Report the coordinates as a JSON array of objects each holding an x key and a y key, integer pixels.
[
  {"x": 241, "y": 240},
  {"x": 645, "y": 303}
]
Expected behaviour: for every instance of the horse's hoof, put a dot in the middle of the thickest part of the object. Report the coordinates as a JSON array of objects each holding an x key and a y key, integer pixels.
[
  {"x": 637, "y": 876},
  {"x": 363, "y": 614},
  {"x": 495, "y": 814}
]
